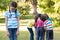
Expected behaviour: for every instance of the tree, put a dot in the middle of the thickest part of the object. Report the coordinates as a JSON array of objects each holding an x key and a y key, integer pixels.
[
  {"x": 34, "y": 4},
  {"x": 47, "y": 6},
  {"x": 23, "y": 8},
  {"x": 4, "y": 4}
]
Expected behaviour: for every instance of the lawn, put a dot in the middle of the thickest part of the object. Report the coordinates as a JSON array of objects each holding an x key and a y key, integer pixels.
[{"x": 24, "y": 35}]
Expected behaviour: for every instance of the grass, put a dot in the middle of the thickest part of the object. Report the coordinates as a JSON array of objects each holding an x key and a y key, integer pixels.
[
  {"x": 27, "y": 17},
  {"x": 24, "y": 35}
]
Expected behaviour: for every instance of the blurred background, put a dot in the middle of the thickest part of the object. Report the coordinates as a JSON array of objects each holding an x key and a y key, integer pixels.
[{"x": 27, "y": 9}]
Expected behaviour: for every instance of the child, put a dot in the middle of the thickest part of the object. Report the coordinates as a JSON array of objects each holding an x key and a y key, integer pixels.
[
  {"x": 49, "y": 28},
  {"x": 12, "y": 21},
  {"x": 36, "y": 18},
  {"x": 31, "y": 24},
  {"x": 47, "y": 17},
  {"x": 43, "y": 19},
  {"x": 39, "y": 26}
]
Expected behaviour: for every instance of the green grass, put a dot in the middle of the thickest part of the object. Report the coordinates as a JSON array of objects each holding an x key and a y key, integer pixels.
[
  {"x": 24, "y": 35},
  {"x": 27, "y": 17}
]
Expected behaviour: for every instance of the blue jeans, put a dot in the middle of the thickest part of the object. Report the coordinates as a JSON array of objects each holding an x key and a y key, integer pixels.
[
  {"x": 39, "y": 34},
  {"x": 31, "y": 34},
  {"x": 43, "y": 34},
  {"x": 49, "y": 34},
  {"x": 12, "y": 32}
]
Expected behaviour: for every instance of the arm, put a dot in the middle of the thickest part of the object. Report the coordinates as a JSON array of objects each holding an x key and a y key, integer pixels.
[
  {"x": 17, "y": 33},
  {"x": 18, "y": 15},
  {"x": 6, "y": 21},
  {"x": 18, "y": 24}
]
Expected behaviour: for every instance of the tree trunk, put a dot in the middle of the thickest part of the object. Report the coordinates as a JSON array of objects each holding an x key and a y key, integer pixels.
[{"x": 34, "y": 4}]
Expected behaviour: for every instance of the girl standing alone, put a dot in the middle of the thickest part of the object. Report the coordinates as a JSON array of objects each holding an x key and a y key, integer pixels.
[{"x": 12, "y": 21}]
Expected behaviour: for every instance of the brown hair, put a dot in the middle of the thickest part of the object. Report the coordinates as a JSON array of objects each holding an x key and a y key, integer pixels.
[
  {"x": 36, "y": 17},
  {"x": 46, "y": 16},
  {"x": 43, "y": 17},
  {"x": 13, "y": 4}
]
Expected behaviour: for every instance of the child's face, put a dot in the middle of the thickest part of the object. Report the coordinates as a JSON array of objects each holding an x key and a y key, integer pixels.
[{"x": 11, "y": 8}]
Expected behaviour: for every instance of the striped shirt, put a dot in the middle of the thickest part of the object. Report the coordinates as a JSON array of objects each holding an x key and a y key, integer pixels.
[
  {"x": 48, "y": 25},
  {"x": 12, "y": 21}
]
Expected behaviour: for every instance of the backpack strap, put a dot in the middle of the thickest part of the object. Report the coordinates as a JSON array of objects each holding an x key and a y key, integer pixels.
[{"x": 11, "y": 14}]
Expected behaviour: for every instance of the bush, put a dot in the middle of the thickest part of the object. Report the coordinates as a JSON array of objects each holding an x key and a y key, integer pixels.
[{"x": 27, "y": 17}]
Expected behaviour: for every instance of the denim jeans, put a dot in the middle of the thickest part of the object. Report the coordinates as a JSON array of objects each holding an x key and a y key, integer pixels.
[
  {"x": 49, "y": 34},
  {"x": 35, "y": 32},
  {"x": 39, "y": 34},
  {"x": 31, "y": 34},
  {"x": 12, "y": 32},
  {"x": 43, "y": 34}
]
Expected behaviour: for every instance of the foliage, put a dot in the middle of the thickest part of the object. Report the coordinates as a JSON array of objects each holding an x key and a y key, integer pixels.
[
  {"x": 47, "y": 5},
  {"x": 4, "y": 4},
  {"x": 24, "y": 10}
]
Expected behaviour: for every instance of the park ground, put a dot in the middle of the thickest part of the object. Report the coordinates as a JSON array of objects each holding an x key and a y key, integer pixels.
[{"x": 24, "y": 35}]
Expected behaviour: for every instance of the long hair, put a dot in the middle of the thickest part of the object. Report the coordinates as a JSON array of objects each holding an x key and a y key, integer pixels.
[
  {"x": 36, "y": 17},
  {"x": 13, "y": 4},
  {"x": 46, "y": 15},
  {"x": 43, "y": 17}
]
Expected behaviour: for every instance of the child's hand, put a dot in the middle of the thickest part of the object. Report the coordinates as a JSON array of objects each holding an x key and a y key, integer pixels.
[
  {"x": 45, "y": 27},
  {"x": 17, "y": 33},
  {"x": 8, "y": 34}
]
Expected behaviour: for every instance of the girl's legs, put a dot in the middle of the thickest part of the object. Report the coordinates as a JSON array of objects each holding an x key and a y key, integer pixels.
[
  {"x": 35, "y": 33},
  {"x": 38, "y": 34},
  {"x": 41, "y": 34},
  {"x": 14, "y": 34},
  {"x": 49, "y": 35},
  {"x": 44, "y": 34},
  {"x": 11, "y": 34},
  {"x": 31, "y": 34}
]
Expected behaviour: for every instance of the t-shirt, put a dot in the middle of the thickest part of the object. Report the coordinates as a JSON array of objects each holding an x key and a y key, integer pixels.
[
  {"x": 12, "y": 21},
  {"x": 48, "y": 25},
  {"x": 39, "y": 23},
  {"x": 31, "y": 24}
]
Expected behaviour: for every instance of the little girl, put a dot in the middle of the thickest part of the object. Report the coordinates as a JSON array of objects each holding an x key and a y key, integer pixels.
[
  {"x": 48, "y": 27},
  {"x": 40, "y": 27},
  {"x": 30, "y": 26},
  {"x": 12, "y": 21}
]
